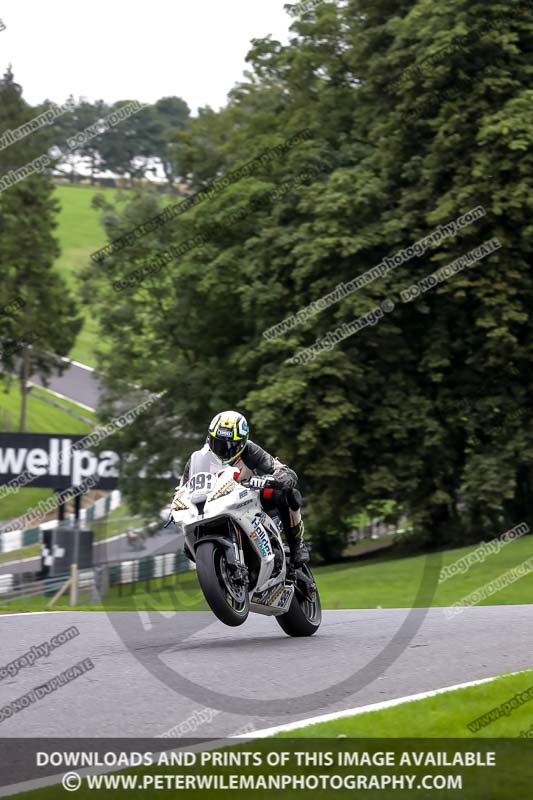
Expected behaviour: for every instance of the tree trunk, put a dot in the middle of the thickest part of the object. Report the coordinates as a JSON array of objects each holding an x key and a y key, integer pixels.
[
  {"x": 519, "y": 509},
  {"x": 24, "y": 375},
  {"x": 169, "y": 173},
  {"x": 93, "y": 170}
]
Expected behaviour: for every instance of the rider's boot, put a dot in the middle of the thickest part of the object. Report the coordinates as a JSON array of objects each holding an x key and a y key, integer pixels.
[{"x": 297, "y": 545}]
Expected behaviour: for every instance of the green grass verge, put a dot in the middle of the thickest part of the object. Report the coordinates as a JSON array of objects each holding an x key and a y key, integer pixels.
[
  {"x": 180, "y": 593},
  {"x": 384, "y": 583},
  {"x": 30, "y": 551},
  {"x": 441, "y": 722},
  {"x": 40, "y": 418},
  {"x": 67, "y": 404},
  {"x": 80, "y": 234},
  {"x": 443, "y": 716},
  {"x": 14, "y": 505},
  {"x": 394, "y": 581}
]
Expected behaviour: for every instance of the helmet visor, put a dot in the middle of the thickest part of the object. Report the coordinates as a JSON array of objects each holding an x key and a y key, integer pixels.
[{"x": 226, "y": 449}]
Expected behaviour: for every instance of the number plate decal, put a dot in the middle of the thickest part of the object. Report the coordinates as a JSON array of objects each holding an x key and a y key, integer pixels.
[{"x": 200, "y": 481}]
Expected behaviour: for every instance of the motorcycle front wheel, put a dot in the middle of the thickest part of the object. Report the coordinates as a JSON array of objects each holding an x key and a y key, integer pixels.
[
  {"x": 305, "y": 614},
  {"x": 228, "y": 600}
]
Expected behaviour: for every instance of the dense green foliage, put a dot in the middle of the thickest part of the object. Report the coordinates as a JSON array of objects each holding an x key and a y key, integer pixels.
[
  {"x": 416, "y": 113},
  {"x": 38, "y": 316},
  {"x": 125, "y": 147}
]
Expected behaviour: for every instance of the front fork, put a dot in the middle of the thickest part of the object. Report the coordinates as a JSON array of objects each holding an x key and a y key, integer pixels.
[{"x": 235, "y": 557}]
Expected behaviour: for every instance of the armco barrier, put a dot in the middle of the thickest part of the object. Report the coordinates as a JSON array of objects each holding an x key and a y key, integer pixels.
[
  {"x": 142, "y": 569},
  {"x": 6, "y": 583},
  {"x": 31, "y": 536},
  {"x": 100, "y": 577}
]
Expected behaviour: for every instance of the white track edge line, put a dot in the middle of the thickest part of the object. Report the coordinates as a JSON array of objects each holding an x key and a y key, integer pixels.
[
  {"x": 64, "y": 397},
  {"x": 354, "y": 712},
  {"x": 77, "y": 364},
  {"x": 19, "y": 560},
  {"x": 51, "y": 780},
  {"x": 24, "y": 613}
]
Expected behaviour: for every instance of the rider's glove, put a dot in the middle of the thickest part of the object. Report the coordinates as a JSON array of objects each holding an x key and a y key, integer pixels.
[
  {"x": 258, "y": 483},
  {"x": 282, "y": 480},
  {"x": 267, "y": 482}
]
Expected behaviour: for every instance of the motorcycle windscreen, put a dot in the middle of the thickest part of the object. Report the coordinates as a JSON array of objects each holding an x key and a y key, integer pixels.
[{"x": 205, "y": 460}]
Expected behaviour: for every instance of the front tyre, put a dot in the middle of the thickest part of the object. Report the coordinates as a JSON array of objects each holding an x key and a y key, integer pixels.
[
  {"x": 305, "y": 611},
  {"x": 227, "y": 598}
]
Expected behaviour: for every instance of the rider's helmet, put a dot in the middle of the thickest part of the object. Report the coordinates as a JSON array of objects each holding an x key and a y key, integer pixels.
[{"x": 228, "y": 435}]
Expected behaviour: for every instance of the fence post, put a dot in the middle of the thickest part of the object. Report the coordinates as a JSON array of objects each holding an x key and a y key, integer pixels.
[
  {"x": 74, "y": 566},
  {"x": 94, "y": 587},
  {"x": 104, "y": 587},
  {"x": 74, "y": 585}
]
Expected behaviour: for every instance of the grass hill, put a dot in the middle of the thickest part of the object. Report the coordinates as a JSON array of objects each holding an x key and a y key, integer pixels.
[
  {"x": 80, "y": 234},
  {"x": 41, "y": 418}
]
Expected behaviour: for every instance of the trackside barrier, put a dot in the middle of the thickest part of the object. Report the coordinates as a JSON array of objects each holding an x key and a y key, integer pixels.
[
  {"x": 378, "y": 528},
  {"x": 100, "y": 578},
  {"x": 143, "y": 570},
  {"x": 6, "y": 583}
]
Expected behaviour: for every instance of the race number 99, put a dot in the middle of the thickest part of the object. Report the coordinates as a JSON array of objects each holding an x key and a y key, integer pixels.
[{"x": 203, "y": 480}]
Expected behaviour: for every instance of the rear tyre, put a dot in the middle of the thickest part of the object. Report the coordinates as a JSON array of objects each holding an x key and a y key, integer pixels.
[
  {"x": 228, "y": 600},
  {"x": 304, "y": 615}
]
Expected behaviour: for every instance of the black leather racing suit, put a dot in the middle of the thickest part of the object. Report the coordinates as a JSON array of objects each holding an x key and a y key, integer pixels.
[{"x": 287, "y": 500}]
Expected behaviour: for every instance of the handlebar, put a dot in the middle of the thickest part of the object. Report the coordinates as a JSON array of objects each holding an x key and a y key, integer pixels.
[{"x": 263, "y": 482}]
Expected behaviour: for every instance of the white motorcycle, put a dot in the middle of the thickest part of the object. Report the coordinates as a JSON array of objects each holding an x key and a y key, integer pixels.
[{"x": 241, "y": 561}]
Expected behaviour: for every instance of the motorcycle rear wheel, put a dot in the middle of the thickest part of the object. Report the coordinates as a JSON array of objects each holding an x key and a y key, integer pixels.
[{"x": 227, "y": 600}]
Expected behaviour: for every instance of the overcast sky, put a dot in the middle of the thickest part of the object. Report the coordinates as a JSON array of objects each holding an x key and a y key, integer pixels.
[{"x": 128, "y": 49}]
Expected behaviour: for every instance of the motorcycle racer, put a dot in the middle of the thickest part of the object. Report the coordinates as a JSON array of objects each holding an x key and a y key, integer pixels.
[{"x": 228, "y": 438}]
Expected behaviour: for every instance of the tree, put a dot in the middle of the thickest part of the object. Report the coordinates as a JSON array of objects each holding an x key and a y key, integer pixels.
[
  {"x": 64, "y": 132},
  {"x": 171, "y": 114},
  {"x": 464, "y": 73},
  {"x": 41, "y": 321},
  {"x": 128, "y": 147},
  {"x": 89, "y": 149},
  {"x": 379, "y": 417},
  {"x": 125, "y": 148}
]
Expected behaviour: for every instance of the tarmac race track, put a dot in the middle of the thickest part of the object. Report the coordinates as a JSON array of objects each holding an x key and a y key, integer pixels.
[
  {"x": 78, "y": 383},
  {"x": 154, "y": 671}
]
